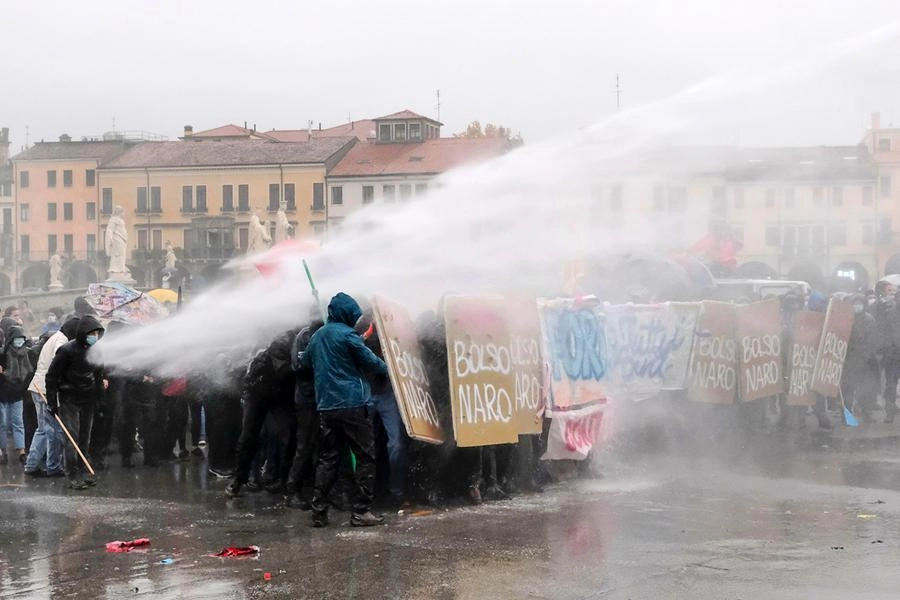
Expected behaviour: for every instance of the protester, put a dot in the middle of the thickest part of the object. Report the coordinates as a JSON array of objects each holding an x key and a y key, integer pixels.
[
  {"x": 887, "y": 324},
  {"x": 16, "y": 372},
  {"x": 142, "y": 412},
  {"x": 861, "y": 376},
  {"x": 53, "y": 323},
  {"x": 340, "y": 362},
  {"x": 269, "y": 382},
  {"x": 73, "y": 389},
  {"x": 307, "y": 417},
  {"x": 385, "y": 404},
  {"x": 445, "y": 468},
  {"x": 45, "y": 456},
  {"x": 222, "y": 403}
]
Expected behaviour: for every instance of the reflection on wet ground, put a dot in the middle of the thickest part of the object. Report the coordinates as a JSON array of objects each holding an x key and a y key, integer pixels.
[{"x": 821, "y": 524}]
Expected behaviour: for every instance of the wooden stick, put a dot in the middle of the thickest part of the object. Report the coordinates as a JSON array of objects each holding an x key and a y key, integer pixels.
[{"x": 71, "y": 439}]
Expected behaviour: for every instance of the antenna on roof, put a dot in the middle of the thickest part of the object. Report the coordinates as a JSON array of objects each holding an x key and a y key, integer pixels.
[
  {"x": 26, "y": 136},
  {"x": 438, "y": 106}
]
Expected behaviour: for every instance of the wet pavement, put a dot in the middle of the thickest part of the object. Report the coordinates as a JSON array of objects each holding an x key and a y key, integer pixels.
[{"x": 772, "y": 522}]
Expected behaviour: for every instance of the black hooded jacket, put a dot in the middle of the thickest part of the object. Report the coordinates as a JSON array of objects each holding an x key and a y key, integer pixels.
[
  {"x": 71, "y": 377},
  {"x": 17, "y": 367},
  {"x": 304, "y": 384}
]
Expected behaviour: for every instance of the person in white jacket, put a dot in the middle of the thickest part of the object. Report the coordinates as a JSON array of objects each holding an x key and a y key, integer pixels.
[{"x": 45, "y": 459}]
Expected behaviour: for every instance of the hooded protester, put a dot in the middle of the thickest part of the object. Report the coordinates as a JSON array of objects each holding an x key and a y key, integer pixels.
[
  {"x": 340, "y": 362},
  {"x": 46, "y": 454},
  {"x": 268, "y": 387},
  {"x": 887, "y": 323},
  {"x": 74, "y": 386},
  {"x": 16, "y": 372},
  {"x": 83, "y": 307}
]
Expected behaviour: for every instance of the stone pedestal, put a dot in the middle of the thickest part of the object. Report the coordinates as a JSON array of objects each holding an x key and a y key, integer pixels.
[
  {"x": 56, "y": 285},
  {"x": 123, "y": 278}
]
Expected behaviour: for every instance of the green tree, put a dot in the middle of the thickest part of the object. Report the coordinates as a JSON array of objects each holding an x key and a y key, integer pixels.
[{"x": 475, "y": 130}]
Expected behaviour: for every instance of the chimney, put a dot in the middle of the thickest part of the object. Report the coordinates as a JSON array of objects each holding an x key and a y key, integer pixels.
[
  {"x": 320, "y": 125},
  {"x": 352, "y": 125},
  {"x": 876, "y": 120},
  {"x": 65, "y": 137},
  {"x": 188, "y": 131},
  {"x": 254, "y": 127},
  {"x": 245, "y": 124},
  {"x": 4, "y": 145}
]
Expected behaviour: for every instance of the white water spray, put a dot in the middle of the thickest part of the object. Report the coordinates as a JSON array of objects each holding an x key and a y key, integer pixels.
[{"x": 516, "y": 222}]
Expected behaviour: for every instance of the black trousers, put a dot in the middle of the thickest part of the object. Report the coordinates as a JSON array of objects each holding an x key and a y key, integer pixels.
[
  {"x": 307, "y": 440},
  {"x": 176, "y": 423},
  {"x": 79, "y": 420},
  {"x": 339, "y": 429},
  {"x": 148, "y": 420},
  {"x": 104, "y": 421},
  {"x": 196, "y": 406},
  {"x": 281, "y": 444},
  {"x": 255, "y": 409},
  {"x": 223, "y": 429}
]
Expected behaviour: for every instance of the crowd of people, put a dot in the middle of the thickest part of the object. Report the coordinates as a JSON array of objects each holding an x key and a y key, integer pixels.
[{"x": 311, "y": 417}]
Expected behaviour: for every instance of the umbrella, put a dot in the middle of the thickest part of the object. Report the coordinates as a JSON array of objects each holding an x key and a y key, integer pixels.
[
  {"x": 118, "y": 302},
  {"x": 164, "y": 295}
]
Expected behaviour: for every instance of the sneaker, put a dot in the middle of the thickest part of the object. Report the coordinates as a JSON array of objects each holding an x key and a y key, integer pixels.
[
  {"x": 474, "y": 496},
  {"x": 366, "y": 519},
  {"x": 320, "y": 519},
  {"x": 253, "y": 486},
  {"x": 220, "y": 473},
  {"x": 56, "y": 474},
  {"x": 36, "y": 473},
  {"x": 198, "y": 452},
  {"x": 90, "y": 481},
  {"x": 77, "y": 485},
  {"x": 233, "y": 490}
]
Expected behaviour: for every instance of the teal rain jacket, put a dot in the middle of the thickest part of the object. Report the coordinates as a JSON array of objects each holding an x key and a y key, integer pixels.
[{"x": 340, "y": 359}]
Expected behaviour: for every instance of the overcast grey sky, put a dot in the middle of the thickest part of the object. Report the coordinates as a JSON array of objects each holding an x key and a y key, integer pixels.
[{"x": 540, "y": 68}]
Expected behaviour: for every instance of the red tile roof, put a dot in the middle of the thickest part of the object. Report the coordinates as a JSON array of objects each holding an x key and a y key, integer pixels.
[
  {"x": 362, "y": 130},
  {"x": 233, "y": 153},
  {"x": 405, "y": 114},
  {"x": 229, "y": 131},
  {"x": 417, "y": 158}
]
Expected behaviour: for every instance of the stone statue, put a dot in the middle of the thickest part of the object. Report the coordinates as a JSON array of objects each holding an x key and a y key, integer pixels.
[
  {"x": 170, "y": 256},
  {"x": 55, "y": 271},
  {"x": 116, "y": 247},
  {"x": 259, "y": 237},
  {"x": 283, "y": 229}
]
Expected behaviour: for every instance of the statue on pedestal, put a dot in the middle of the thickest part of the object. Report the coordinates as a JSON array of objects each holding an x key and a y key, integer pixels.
[
  {"x": 117, "y": 246},
  {"x": 170, "y": 256},
  {"x": 259, "y": 238},
  {"x": 283, "y": 228},
  {"x": 55, "y": 272}
]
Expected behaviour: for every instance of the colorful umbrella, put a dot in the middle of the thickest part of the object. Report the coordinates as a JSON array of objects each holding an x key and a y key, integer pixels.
[{"x": 118, "y": 302}]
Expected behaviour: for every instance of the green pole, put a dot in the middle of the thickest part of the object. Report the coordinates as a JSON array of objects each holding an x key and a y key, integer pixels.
[{"x": 315, "y": 292}]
